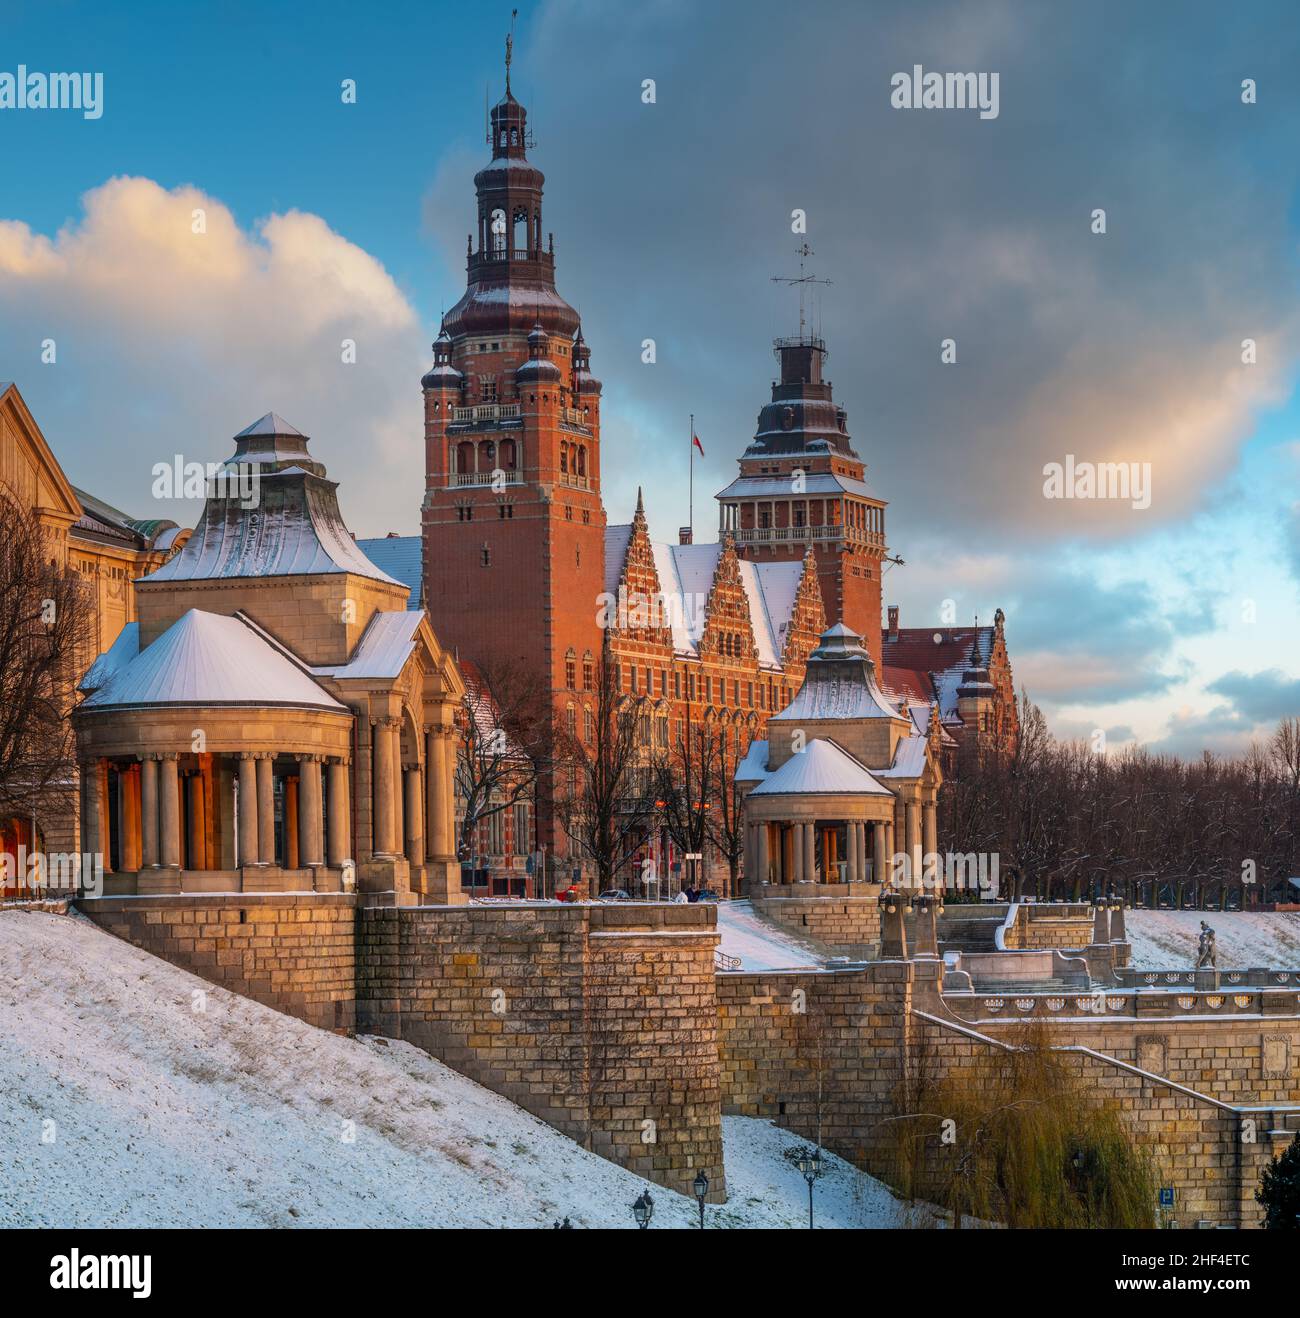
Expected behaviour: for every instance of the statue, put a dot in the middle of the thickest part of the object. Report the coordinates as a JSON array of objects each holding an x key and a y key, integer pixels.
[{"x": 1206, "y": 951}]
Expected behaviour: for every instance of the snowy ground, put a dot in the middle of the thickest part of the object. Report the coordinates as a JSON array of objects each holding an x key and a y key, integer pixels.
[
  {"x": 138, "y": 1095},
  {"x": 759, "y": 945},
  {"x": 1166, "y": 940}
]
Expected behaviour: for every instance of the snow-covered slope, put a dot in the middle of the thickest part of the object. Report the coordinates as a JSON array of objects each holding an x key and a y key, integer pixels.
[
  {"x": 138, "y": 1095},
  {"x": 759, "y": 945},
  {"x": 1166, "y": 940}
]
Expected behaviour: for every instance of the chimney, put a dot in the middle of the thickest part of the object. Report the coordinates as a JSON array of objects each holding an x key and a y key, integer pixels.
[
  {"x": 893, "y": 622},
  {"x": 685, "y": 536}
]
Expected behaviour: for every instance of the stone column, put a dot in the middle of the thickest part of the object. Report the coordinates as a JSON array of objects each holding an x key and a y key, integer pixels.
[
  {"x": 171, "y": 813},
  {"x": 1117, "y": 934},
  {"x": 889, "y": 850},
  {"x": 96, "y": 829},
  {"x": 382, "y": 842},
  {"x": 265, "y": 810},
  {"x": 851, "y": 872},
  {"x": 149, "y": 812},
  {"x": 762, "y": 853},
  {"x": 447, "y": 788},
  {"x": 196, "y": 820},
  {"x": 399, "y": 795},
  {"x": 913, "y": 827},
  {"x": 810, "y": 852},
  {"x": 289, "y": 816},
  {"x": 130, "y": 780},
  {"x": 1101, "y": 922},
  {"x": 309, "y": 811},
  {"x": 433, "y": 838},
  {"x": 931, "y": 816},
  {"x": 797, "y": 850},
  {"x": 248, "y": 854},
  {"x": 340, "y": 815},
  {"x": 414, "y": 813},
  {"x": 879, "y": 865}
]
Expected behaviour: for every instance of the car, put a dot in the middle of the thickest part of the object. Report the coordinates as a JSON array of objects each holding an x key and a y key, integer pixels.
[
  {"x": 614, "y": 895},
  {"x": 569, "y": 894}
]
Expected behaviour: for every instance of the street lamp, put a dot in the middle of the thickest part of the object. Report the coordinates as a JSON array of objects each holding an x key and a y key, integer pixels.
[
  {"x": 809, "y": 1162},
  {"x": 701, "y": 1189},
  {"x": 643, "y": 1210}
]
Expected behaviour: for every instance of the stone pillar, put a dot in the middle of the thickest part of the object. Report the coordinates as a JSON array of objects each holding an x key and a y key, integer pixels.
[
  {"x": 129, "y": 803},
  {"x": 382, "y": 842},
  {"x": 931, "y": 839},
  {"x": 1101, "y": 922},
  {"x": 96, "y": 824},
  {"x": 797, "y": 850},
  {"x": 1117, "y": 934},
  {"x": 913, "y": 826},
  {"x": 762, "y": 862},
  {"x": 340, "y": 815},
  {"x": 196, "y": 823},
  {"x": 170, "y": 792},
  {"x": 265, "y": 810},
  {"x": 309, "y": 811},
  {"x": 447, "y": 788},
  {"x": 414, "y": 812},
  {"x": 149, "y": 812},
  {"x": 289, "y": 807},
  {"x": 810, "y": 852},
  {"x": 399, "y": 794},
  {"x": 851, "y": 872},
  {"x": 879, "y": 865},
  {"x": 436, "y": 841},
  {"x": 248, "y": 854}
]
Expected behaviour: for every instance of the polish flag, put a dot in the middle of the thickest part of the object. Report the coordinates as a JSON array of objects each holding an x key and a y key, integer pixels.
[{"x": 695, "y": 439}]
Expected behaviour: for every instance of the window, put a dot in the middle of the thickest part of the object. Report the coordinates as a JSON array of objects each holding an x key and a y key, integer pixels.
[
  {"x": 587, "y": 671},
  {"x": 505, "y": 511},
  {"x": 677, "y": 684},
  {"x": 735, "y": 692},
  {"x": 631, "y": 672},
  {"x": 749, "y": 694},
  {"x": 573, "y": 721},
  {"x": 523, "y": 829},
  {"x": 588, "y": 726},
  {"x": 489, "y": 391},
  {"x": 570, "y": 667},
  {"x": 487, "y": 556}
]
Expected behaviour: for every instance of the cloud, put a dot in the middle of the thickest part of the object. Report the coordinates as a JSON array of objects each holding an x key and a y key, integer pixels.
[
  {"x": 1264, "y": 697},
  {"x": 171, "y": 340}
]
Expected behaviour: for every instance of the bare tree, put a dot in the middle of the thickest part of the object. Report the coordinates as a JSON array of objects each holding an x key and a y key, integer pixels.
[
  {"x": 505, "y": 732},
  {"x": 602, "y": 795},
  {"x": 45, "y": 638},
  {"x": 725, "y": 823}
]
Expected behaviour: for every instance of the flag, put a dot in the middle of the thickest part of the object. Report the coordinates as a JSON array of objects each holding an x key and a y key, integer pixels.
[{"x": 695, "y": 439}]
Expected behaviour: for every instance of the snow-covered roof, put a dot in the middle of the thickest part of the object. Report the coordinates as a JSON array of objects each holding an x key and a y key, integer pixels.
[
  {"x": 686, "y": 577},
  {"x": 210, "y": 659},
  {"x": 270, "y": 424},
  {"x": 295, "y": 529},
  {"x": 114, "y": 659},
  {"x": 821, "y": 767},
  {"x": 909, "y": 759},
  {"x": 821, "y": 482},
  {"x": 400, "y": 556},
  {"x": 753, "y": 768},
  {"x": 839, "y": 682},
  {"x": 384, "y": 648}
]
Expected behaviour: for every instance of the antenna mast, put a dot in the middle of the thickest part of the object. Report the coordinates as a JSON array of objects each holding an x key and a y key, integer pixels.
[{"x": 802, "y": 281}]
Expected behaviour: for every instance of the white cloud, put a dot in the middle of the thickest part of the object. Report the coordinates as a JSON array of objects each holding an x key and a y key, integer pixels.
[{"x": 169, "y": 341}]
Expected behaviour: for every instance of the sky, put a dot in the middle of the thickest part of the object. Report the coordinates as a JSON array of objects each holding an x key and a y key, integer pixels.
[{"x": 198, "y": 253}]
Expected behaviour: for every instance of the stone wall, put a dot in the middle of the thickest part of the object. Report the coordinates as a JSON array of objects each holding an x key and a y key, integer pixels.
[
  {"x": 294, "y": 952},
  {"x": 1049, "y": 926},
  {"x": 847, "y": 925},
  {"x": 834, "y": 1055},
  {"x": 599, "y": 1020}
]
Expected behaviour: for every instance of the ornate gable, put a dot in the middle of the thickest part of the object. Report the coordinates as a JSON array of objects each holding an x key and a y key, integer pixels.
[
  {"x": 641, "y": 613},
  {"x": 728, "y": 632},
  {"x": 28, "y": 467},
  {"x": 808, "y": 617}
]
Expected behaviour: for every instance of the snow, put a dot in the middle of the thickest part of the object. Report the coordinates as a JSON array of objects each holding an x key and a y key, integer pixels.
[
  {"x": 1166, "y": 940},
  {"x": 821, "y": 766},
  {"x": 236, "y": 1116},
  {"x": 385, "y": 646},
  {"x": 209, "y": 659},
  {"x": 758, "y": 944}
]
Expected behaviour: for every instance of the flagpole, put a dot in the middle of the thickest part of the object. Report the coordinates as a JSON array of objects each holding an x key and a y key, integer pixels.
[{"x": 691, "y": 518}]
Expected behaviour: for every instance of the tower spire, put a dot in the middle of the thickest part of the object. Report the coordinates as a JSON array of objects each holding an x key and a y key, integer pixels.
[{"x": 510, "y": 46}]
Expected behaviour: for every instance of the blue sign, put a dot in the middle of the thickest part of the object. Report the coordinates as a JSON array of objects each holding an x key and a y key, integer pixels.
[{"x": 1166, "y": 1196}]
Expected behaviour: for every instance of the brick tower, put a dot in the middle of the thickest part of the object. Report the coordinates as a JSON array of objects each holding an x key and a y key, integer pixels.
[
  {"x": 801, "y": 485},
  {"x": 513, "y": 524}
]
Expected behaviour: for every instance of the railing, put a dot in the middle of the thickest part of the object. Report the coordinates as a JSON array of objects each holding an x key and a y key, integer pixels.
[
  {"x": 484, "y": 412},
  {"x": 802, "y": 534},
  {"x": 459, "y": 478},
  {"x": 575, "y": 482},
  {"x": 724, "y": 962}
]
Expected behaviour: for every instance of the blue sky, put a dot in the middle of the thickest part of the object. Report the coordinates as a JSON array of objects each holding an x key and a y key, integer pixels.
[{"x": 1175, "y": 626}]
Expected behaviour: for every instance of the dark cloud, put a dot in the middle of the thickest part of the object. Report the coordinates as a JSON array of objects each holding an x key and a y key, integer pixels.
[
  {"x": 1264, "y": 697},
  {"x": 670, "y": 218}
]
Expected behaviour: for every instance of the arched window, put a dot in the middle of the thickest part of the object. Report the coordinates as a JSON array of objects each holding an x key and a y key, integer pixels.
[
  {"x": 582, "y": 460},
  {"x": 465, "y": 457},
  {"x": 487, "y": 455},
  {"x": 588, "y": 671},
  {"x": 519, "y": 231},
  {"x": 570, "y": 669},
  {"x": 499, "y": 229},
  {"x": 564, "y": 459},
  {"x": 573, "y": 721},
  {"x": 588, "y": 726}
]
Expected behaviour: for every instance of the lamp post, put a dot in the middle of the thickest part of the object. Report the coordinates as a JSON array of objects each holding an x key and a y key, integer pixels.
[
  {"x": 701, "y": 1189},
  {"x": 809, "y": 1162},
  {"x": 643, "y": 1209}
]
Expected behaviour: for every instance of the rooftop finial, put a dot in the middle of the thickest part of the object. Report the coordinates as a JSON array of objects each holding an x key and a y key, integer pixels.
[
  {"x": 803, "y": 281},
  {"x": 510, "y": 45}
]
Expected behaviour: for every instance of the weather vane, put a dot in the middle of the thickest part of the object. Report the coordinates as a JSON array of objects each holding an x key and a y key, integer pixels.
[
  {"x": 510, "y": 45},
  {"x": 803, "y": 251}
]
